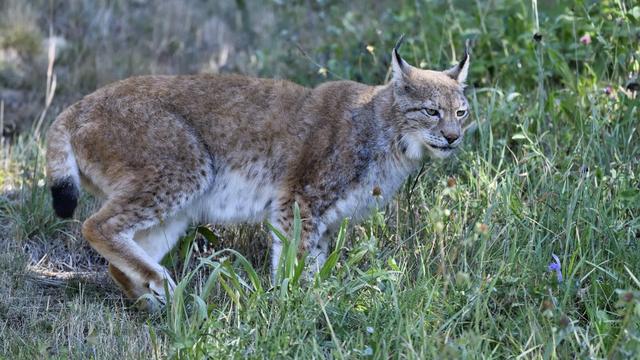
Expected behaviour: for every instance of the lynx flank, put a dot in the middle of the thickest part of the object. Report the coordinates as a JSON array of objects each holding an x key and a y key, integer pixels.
[{"x": 164, "y": 151}]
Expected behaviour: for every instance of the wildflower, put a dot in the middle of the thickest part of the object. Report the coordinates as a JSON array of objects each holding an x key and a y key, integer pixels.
[
  {"x": 323, "y": 71},
  {"x": 609, "y": 91},
  {"x": 370, "y": 48},
  {"x": 626, "y": 297},
  {"x": 370, "y": 329},
  {"x": 482, "y": 229},
  {"x": 585, "y": 39},
  {"x": 555, "y": 266},
  {"x": 547, "y": 308},
  {"x": 368, "y": 351}
]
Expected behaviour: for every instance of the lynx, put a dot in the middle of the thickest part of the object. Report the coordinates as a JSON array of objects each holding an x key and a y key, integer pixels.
[{"x": 165, "y": 151}]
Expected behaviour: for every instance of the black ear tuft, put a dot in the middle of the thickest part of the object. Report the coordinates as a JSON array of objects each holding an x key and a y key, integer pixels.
[
  {"x": 465, "y": 57},
  {"x": 460, "y": 71},
  {"x": 399, "y": 67},
  {"x": 397, "y": 47}
]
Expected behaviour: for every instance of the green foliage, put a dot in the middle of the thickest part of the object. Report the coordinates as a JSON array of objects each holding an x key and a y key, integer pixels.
[
  {"x": 457, "y": 266},
  {"x": 290, "y": 265},
  {"x": 18, "y": 29},
  {"x": 30, "y": 210},
  {"x": 213, "y": 296}
]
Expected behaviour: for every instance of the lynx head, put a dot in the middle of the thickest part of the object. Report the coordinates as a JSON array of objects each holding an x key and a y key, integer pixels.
[{"x": 429, "y": 106}]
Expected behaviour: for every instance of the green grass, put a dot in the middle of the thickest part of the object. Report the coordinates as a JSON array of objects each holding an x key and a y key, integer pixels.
[{"x": 455, "y": 267}]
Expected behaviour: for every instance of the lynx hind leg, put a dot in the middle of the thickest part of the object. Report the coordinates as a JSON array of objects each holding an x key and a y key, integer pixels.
[
  {"x": 156, "y": 241},
  {"x": 110, "y": 232},
  {"x": 153, "y": 213},
  {"x": 150, "y": 167},
  {"x": 128, "y": 286}
]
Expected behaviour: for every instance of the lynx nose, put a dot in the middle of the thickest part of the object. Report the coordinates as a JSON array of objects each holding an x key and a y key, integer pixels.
[{"x": 450, "y": 137}]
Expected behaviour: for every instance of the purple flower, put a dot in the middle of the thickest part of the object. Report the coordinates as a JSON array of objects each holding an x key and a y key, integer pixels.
[
  {"x": 555, "y": 266},
  {"x": 585, "y": 39}
]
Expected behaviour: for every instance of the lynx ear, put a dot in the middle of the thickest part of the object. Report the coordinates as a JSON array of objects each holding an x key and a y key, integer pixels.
[
  {"x": 460, "y": 71},
  {"x": 399, "y": 67}
]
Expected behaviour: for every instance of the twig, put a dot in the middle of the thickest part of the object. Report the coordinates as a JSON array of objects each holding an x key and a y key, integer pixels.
[
  {"x": 2, "y": 125},
  {"x": 333, "y": 334},
  {"x": 319, "y": 66},
  {"x": 50, "y": 84}
]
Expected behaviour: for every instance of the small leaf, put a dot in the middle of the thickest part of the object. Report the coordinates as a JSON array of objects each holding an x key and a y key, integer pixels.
[
  {"x": 512, "y": 96},
  {"x": 392, "y": 264},
  {"x": 357, "y": 256},
  {"x": 209, "y": 235},
  {"x": 628, "y": 193},
  {"x": 328, "y": 266},
  {"x": 200, "y": 307}
]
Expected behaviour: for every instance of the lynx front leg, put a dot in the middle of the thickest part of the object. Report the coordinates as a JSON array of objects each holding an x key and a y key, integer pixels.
[
  {"x": 312, "y": 240},
  {"x": 318, "y": 253}
]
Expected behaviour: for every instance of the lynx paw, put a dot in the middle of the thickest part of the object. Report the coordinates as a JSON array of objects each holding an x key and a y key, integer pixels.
[
  {"x": 156, "y": 287},
  {"x": 152, "y": 295}
]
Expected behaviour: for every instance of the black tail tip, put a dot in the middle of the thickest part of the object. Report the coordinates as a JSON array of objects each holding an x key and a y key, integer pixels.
[{"x": 65, "y": 197}]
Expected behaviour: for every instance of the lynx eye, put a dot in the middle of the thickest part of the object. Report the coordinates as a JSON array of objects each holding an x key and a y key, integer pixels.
[
  {"x": 430, "y": 112},
  {"x": 461, "y": 113}
]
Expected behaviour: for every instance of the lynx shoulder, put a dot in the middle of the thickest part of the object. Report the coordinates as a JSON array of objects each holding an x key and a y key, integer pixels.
[{"x": 166, "y": 151}]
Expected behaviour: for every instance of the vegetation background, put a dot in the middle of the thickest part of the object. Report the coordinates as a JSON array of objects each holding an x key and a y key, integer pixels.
[{"x": 525, "y": 245}]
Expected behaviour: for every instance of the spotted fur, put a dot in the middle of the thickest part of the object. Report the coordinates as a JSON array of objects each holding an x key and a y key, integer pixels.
[{"x": 165, "y": 151}]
